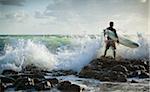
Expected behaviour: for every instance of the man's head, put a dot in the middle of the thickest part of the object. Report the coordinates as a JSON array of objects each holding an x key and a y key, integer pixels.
[{"x": 111, "y": 24}]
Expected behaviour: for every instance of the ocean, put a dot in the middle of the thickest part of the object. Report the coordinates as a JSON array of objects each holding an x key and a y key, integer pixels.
[{"x": 63, "y": 52}]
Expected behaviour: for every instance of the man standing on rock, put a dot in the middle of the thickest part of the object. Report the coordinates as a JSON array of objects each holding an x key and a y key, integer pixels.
[{"x": 109, "y": 42}]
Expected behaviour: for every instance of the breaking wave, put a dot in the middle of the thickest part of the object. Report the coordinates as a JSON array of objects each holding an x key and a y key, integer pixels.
[{"x": 61, "y": 52}]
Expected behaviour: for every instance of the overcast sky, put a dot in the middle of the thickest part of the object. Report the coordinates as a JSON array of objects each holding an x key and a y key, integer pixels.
[{"x": 72, "y": 16}]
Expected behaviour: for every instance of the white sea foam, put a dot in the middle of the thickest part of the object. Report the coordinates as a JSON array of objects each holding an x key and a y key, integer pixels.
[{"x": 74, "y": 55}]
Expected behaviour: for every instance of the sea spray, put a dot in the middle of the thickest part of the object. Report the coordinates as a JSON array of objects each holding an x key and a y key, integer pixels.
[
  {"x": 142, "y": 52},
  {"x": 27, "y": 52},
  {"x": 61, "y": 52},
  {"x": 80, "y": 52}
]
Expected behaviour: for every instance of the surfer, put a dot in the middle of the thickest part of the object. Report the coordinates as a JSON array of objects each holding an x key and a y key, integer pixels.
[{"x": 109, "y": 42}]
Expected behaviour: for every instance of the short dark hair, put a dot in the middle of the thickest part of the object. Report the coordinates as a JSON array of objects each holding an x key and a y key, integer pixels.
[{"x": 111, "y": 22}]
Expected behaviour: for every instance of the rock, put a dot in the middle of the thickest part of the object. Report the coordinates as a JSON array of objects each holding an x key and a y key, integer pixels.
[
  {"x": 9, "y": 72},
  {"x": 121, "y": 77},
  {"x": 130, "y": 68},
  {"x": 44, "y": 85},
  {"x": 37, "y": 80},
  {"x": 2, "y": 87},
  {"x": 138, "y": 67},
  {"x": 87, "y": 72},
  {"x": 24, "y": 83},
  {"x": 120, "y": 68},
  {"x": 53, "y": 81},
  {"x": 114, "y": 76},
  {"x": 62, "y": 72},
  {"x": 16, "y": 76},
  {"x": 75, "y": 88},
  {"x": 64, "y": 85},
  {"x": 133, "y": 81},
  {"x": 143, "y": 74},
  {"x": 5, "y": 79},
  {"x": 108, "y": 69},
  {"x": 133, "y": 74}
]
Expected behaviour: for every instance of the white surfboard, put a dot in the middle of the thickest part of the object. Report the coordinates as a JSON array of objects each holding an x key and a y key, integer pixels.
[{"x": 122, "y": 40}]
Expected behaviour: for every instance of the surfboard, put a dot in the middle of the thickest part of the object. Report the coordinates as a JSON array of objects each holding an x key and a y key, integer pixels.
[{"x": 122, "y": 40}]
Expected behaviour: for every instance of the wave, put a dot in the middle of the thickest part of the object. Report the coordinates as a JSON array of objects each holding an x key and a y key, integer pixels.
[{"x": 60, "y": 52}]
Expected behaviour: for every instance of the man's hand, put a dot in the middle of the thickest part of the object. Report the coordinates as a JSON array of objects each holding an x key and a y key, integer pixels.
[{"x": 118, "y": 41}]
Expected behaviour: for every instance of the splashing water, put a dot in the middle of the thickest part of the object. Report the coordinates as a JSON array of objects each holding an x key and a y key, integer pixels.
[{"x": 60, "y": 52}]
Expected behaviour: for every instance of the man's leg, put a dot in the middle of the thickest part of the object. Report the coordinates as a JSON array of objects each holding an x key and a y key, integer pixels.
[
  {"x": 107, "y": 47},
  {"x": 114, "y": 53},
  {"x": 105, "y": 52},
  {"x": 114, "y": 49}
]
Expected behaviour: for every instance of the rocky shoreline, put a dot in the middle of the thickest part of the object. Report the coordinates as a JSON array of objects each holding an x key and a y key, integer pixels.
[
  {"x": 105, "y": 69},
  {"x": 108, "y": 69}
]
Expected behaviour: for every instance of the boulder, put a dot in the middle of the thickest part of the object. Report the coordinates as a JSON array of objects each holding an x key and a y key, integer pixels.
[
  {"x": 133, "y": 74},
  {"x": 9, "y": 72},
  {"x": 64, "y": 85},
  {"x": 133, "y": 81},
  {"x": 114, "y": 76},
  {"x": 2, "y": 87},
  {"x": 75, "y": 88},
  {"x": 61, "y": 72},
  {"x": 120, "y": 68},
  {"x": 5, "y": 79},
  {"x": 44, "y": 85},
  {"x": 37, "y": 80},
  {"x": 144, "y": 74},
  {"x": 53, "y": 81},
  {"x": 24, "y": 83}
]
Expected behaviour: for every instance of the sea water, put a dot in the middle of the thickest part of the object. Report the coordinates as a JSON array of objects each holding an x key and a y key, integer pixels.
[{"x": 67, "y": 52}]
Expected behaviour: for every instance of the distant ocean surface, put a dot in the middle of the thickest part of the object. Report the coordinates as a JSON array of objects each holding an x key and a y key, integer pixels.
[{"x": 68, "y": 52}]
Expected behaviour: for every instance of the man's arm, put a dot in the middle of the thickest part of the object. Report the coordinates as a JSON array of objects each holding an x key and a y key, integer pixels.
[{"x": 104, "y": 32}]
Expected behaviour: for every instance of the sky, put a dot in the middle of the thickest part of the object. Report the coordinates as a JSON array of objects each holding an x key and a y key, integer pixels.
[{"x": 73, "y": 16}]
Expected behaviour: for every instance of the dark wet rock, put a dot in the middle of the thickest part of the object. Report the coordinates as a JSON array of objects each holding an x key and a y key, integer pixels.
[
  {"x": 130, "y": 67},
  {"x": 32, "y": 69},
  {"x": 5, "y": 79},
  {"x": 120, "y": 68},
  {"x": 144, "y": 74},
  {"x": 37, "y": 80},
  {"x": 75, "y": 88},
  {"x": 121, "y": 77},
  {"x": 66, "y": 86},
  {"x": 133, "y": 74},
  {"x": 87, "y": 72},
  {"x": 133, "y": 81},
  {"x": 61, "y": 72},
  {"x": 113, "y": 76},
  {"x": 24, "y": 83},
  {"x": 53, "y": 81},
  {"x": 2, "y": 87},
  {"x": 140, "y": 67},
  {"x": 44, "y": 85},
  {"x": 9, "y": 72}
]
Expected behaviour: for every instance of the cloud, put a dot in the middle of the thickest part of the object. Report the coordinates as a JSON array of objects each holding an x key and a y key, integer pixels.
[
  {"x": 19, "y": 16},
  {"x": 43, "y": 17},
  {"x": 143, "y": 1},
  {"x": 12, "y": 2}
]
